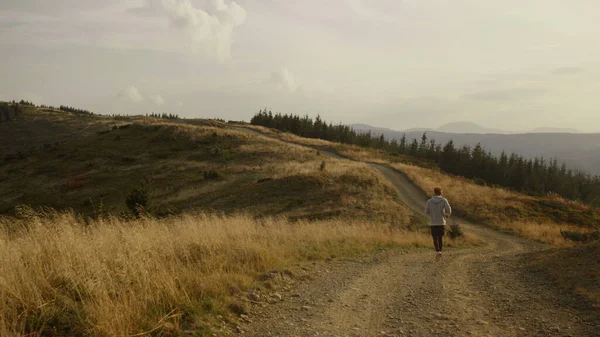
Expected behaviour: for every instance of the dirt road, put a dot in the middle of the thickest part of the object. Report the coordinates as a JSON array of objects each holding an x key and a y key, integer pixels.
[{"x": 480, "y": 291}]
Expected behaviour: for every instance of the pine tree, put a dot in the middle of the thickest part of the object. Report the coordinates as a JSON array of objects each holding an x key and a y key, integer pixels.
[
  {"x": 402, "y": 148},
  {"x": 449, "y": 158},
  {"x": 423, "y": 146},
  {"x": 413, "y": 148}
]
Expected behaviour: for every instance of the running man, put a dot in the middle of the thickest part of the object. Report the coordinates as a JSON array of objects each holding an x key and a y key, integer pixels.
[{"x": 438, "y": 210}]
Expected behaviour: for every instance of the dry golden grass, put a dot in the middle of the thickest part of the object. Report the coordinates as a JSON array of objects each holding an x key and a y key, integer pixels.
[
  {"x": 60, "y": 275},
  {"x": 461, "y": 190},
  {"x": 361, "y": 154},
  {"x": 353, "y": 152},
  {"x": 489, "y": 205},
  {"x": 541, "y": 231},
  {"x": 463, "y": 193}
]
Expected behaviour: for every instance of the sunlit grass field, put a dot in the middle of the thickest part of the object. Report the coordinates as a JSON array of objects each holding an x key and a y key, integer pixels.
[{"x": 64, "y": 275}]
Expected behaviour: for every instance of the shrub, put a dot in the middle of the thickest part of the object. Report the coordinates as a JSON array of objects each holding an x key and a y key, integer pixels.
[
  {"x": 127, "y": 159},
  {"x": 75, "y": 182},
  {"x": 455, "y": 231},
  {"x": 221, "y": 152},
  {"x": 580, "y": 236},
  {"x": 213, "y": 175},
  {"x": 138, "y": 200},
  {"x": 322, "y": 167},
  {"x": 479, "y": 182}
]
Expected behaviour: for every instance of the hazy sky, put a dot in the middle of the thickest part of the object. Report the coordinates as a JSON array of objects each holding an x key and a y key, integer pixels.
[{"x": 510, "y": 64}]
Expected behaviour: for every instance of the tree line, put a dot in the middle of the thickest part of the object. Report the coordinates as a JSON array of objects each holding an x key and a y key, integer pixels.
[
  {"x": 536, "y": 176},
  {"x": 10, "y": 111},
  {"x": 163, "y": 115},
  {"x": 70, "y": 109},
  {"x": 74, "y": 110},
  {"x": 24, "y": 102}
]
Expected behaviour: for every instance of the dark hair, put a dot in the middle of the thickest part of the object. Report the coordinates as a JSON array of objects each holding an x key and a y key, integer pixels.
[{"x": 437, "y": 191}]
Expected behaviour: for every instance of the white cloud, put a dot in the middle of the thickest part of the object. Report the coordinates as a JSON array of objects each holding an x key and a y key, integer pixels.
[
  {"x": 157, "y": 99},
  {"x": 567, "y": 71},
  {"x": 510, "y": 95},
  {"x": 131, "y": 94},
  {"x": 285, "y": 80},
  {"x": 207, "y": 30},
  {"x": 359, "y": 7}
]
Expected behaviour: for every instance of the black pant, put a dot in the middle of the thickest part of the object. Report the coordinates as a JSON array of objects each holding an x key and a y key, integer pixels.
[{"x": 437, "y": 232}]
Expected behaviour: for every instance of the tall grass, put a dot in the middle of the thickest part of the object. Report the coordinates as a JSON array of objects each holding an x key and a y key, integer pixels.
[
  {"x": 542, "y": 231},
  {"x": 61, "y": 275}
]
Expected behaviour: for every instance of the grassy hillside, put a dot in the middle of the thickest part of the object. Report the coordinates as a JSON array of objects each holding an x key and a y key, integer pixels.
[
  {"x": 536, "y": 177},
  {"x": 537, "y": 218},
  {"x": 91, "y": 163},
  {"x": 243, "y": 203},
  {"x": 46, "y": 127}
]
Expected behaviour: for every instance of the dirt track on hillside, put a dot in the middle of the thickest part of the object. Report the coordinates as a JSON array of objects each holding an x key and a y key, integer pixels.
[{"x": 480, "y": 291}]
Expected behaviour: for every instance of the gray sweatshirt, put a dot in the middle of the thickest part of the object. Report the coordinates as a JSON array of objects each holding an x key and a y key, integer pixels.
[{"x": 437, "y": 208}]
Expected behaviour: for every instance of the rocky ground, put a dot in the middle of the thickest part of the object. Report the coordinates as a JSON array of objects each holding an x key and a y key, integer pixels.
[{"x": 482, "y": 291}]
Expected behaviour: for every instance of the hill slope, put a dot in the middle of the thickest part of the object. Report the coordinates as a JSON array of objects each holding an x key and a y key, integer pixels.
[{"x": 186, "y": 165}]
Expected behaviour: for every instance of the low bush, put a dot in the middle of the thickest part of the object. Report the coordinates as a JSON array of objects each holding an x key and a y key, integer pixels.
[
  {"x": 138, "y": 200},
  {"x": 455, "y": 231},
  {"x": 580, "y": 236},
  {"x": 213, "y": 175}
]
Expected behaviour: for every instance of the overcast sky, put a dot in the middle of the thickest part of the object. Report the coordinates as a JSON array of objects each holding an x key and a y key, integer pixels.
[{"x": 511, "y": 64}]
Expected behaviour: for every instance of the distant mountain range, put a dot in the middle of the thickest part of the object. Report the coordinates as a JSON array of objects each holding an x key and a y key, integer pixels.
[
  {"x": 468, "y": 127},
  {"x": 578, "y": 150},
  {"x": 555, "y": 130}
]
